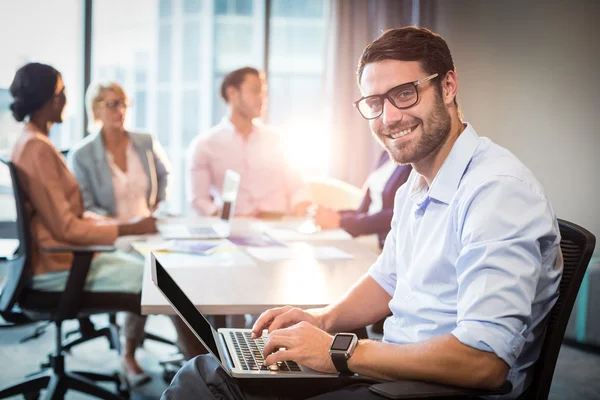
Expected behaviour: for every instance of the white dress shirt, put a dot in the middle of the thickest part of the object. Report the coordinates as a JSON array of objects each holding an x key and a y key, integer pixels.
[{"x": 268, "y": 184}]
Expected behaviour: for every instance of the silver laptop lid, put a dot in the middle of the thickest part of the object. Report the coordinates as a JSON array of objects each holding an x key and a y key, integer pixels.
[
  {"x": 231, "y": 186},
  {"x": 185, "y": 309}
]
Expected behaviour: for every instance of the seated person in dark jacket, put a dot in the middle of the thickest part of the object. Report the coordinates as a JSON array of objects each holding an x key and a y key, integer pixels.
[{"x": 374, "y": 216}]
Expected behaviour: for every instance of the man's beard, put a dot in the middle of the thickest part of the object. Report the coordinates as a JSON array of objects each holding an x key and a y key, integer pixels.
[{"x": 434, "y": 133}]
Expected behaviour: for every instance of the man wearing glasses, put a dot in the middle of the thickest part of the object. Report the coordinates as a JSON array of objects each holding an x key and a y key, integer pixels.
[{"x": 469, "y": 271}]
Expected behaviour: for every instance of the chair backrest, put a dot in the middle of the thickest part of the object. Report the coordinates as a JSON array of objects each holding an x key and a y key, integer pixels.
[
  {"x": 577, "y": 245},
  {"x": 335, "y": 193},
  {"x": 18, "y": 269}
]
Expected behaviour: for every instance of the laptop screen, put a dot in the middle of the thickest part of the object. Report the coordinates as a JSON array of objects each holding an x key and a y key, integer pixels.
[
  {"x": 226, "y": 212},
  {"x": 182, "y": 304},
  {"x": 231, "y": 185}
]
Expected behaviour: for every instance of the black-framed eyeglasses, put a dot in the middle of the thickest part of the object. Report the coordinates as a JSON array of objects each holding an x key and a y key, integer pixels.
[{"x": 402, "y": 97}]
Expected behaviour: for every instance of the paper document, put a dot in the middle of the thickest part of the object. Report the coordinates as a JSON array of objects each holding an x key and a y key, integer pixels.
[
  {"x": 198, "y": 247},
  {"x": 290, "y": 234},
  {"x": 256, "y": 241},
  {"x": 202, "y": 247},
  {"x": 299, "y": 252},
  {"x": 222, "y": 259}
]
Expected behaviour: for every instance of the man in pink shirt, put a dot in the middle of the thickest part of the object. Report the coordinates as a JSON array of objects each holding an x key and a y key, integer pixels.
[{"x": 269, "y": 185}]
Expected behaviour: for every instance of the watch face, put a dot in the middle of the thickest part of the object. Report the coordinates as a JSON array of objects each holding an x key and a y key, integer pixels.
[{"x": 342, "y": 342}]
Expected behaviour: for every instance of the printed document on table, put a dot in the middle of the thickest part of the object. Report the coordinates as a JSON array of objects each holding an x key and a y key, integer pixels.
[
  {"x": 298, "y": 252},
  {"x": 220, "y": 259},
  {"x": 290, "y": 234}
]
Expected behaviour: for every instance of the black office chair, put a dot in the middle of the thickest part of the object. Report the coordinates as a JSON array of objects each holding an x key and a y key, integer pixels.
[
  {"x": 17, "y": 301},
  {"x": 577, "y": 245}
]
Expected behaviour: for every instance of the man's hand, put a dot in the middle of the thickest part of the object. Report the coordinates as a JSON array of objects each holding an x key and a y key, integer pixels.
[
  {"x": 303, "y": 343},
  {"x": 300, "y": 209},
  {"x": 327, "y": 218},
  {"x": 282, "y": 317}
]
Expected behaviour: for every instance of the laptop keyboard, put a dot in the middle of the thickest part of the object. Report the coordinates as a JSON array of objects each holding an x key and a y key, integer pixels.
[{"x": 250, "y": 353}]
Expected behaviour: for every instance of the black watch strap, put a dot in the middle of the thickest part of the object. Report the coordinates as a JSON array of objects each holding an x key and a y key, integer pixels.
[{"x": 341, "y": 364}]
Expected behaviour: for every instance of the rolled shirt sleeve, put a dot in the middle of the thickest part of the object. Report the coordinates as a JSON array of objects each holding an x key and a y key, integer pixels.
[
  {"x": 499, "y": 264},
  {"x": 384, "y": 271}
]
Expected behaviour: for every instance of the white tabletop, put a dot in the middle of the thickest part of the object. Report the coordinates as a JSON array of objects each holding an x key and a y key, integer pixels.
[{"x": 232, "y": 285}]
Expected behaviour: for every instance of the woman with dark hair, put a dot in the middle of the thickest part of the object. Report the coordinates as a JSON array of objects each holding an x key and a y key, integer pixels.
[{"x": 56, "y": 209}]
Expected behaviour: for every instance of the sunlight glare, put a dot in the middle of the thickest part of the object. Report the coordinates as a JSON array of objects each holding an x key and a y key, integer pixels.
[{"x": 307, "y": 148}]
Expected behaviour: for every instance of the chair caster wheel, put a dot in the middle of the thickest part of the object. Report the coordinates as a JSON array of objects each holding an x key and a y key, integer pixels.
[
  {"x": 31, "y": 396},
  {"x": 168, "y": 376}
]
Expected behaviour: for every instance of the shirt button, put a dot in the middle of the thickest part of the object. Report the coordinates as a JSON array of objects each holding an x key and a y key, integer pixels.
[{"x": 419, "y": 212}]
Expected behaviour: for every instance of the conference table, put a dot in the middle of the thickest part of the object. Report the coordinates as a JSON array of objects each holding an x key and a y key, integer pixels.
[{"x": 315, "y": 270}]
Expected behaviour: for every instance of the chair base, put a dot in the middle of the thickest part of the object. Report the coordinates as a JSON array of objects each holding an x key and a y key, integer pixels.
[
  {"x": 58, "y": 385},
  {"x": 88, "y": 331}
]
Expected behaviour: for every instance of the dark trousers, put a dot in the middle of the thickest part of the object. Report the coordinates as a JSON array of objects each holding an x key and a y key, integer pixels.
[{"x": 203, "y": 378}]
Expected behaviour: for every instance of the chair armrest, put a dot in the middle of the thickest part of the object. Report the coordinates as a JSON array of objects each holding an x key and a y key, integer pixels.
[
  {"x": 72, "y": 295},
  {"x": 419, "y": 390},
  {"x": 79, "y": 249}
]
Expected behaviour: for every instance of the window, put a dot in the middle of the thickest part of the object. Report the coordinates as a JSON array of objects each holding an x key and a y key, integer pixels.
[
  {"x": 192, "y": 6},
  {"x": 189, "y": 114},
  {"x": 172, "y": 56},
  {"x": 165, "y": 54},
  {"x": 51, "y": 35},
  {"x": 140, "y": 109},
  {"x": 234, "y": 7},
  {"x": 163, "y": 117},
  {"x": 296, "y": 57},
  {"x": 191, "y": 51},
  {"x": 309, "y": 9},
  {"x": 165, "y": 7}
]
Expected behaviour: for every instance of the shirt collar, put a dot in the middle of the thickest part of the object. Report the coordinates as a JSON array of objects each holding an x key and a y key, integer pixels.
[
  {"x": 227, "y": 124},
  {"x": 448, "y": 178}
]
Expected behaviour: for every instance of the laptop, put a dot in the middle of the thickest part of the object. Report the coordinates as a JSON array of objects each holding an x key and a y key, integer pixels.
[
  {"x": 236, "y": 351},
  {"x": 218, "y": 230}
]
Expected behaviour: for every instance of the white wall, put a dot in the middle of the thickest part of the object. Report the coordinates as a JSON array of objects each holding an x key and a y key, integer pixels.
[{"x": 529, "y": 79}]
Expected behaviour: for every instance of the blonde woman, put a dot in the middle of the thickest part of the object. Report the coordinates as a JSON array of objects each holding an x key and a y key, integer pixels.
[{"x": 121, "y": 174}]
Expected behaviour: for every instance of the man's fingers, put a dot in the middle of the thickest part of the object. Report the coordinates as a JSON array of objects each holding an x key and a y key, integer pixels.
[
  {"x": 282, "y": 321},
  {"x": 280, "y": 339},
  {"x": 265, "y": 320},
  {"x": 289, "y": 318},
  {"x": 258, "y": 326},
  {"x": 281, "y": 355}
]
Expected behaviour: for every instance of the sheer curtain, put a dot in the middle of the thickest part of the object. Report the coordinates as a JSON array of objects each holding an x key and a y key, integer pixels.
[{"x": 352, "y": 26}]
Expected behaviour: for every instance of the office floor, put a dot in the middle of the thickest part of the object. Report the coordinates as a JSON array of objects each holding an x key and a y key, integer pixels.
[{"x": 576, "y": 375}]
